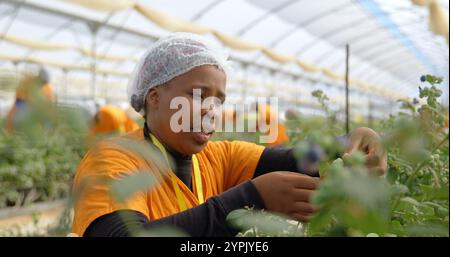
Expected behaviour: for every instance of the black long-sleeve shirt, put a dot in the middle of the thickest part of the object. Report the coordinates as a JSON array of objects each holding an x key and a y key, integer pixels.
[{"x": 207, "y": 219}]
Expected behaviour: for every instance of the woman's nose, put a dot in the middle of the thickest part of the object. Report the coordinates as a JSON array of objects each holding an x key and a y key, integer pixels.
[{"x": 209, "y": 105}]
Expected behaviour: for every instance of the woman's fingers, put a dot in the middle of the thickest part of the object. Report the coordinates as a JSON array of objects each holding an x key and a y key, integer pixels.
[
  {"x": 305, "y": 182},
  {"x": 302, "y": 195},
  {"x": 302, "y": 217},
  {"x": 377, "y": 171},
  {"x": 303, "y": 207},
  {"x": 372, "y": 160},
  {"x": 376, "y": 163}
]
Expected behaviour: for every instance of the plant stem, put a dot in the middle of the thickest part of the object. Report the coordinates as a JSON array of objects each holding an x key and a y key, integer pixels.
[
  {"x": 296, "y": 229},
  {"x": 424, "y": 162},
  {"x": 419, "y": 167}
]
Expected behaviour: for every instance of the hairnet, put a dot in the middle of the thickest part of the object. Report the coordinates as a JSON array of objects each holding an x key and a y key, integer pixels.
[
  {"x": 43, "y": 75},
  {"x": 169, "y": 57}
]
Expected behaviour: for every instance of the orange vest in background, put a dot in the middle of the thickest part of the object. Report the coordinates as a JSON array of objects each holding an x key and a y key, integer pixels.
[
  {"x": 130, "y": 124},
  {"x": 282, "y": 136},
  {"x": 26, "y": 87},
  {"x": 48, "y": 92},
  {"x": 23, "y": 92},
  {"x": 111, "y": 119}
]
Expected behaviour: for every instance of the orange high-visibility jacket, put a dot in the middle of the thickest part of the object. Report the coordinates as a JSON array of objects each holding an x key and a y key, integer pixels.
[{"x": 222, "y": 165}]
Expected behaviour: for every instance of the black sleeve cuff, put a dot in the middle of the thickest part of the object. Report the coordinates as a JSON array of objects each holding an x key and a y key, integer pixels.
[
  {"x": 240, "y": 196},
  {"x": 207, "y": 219},
  {"x": 280, "y": 158}
]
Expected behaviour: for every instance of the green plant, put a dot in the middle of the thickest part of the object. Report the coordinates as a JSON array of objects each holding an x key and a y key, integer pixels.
[{"x": 411, "y": 200}]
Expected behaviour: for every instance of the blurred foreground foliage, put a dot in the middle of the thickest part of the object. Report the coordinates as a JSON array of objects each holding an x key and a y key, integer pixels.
[
  {"x": 410, "y": 200},
  {"x": 38, "y": 162}
]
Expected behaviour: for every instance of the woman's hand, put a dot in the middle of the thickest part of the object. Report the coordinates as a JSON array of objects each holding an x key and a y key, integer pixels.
[
  {"x": 368, "y": 142},
  {"x": 288, "y": 193}
]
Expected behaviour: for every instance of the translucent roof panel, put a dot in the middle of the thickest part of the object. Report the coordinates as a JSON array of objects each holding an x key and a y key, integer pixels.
[{"x": 390, "y": 43}]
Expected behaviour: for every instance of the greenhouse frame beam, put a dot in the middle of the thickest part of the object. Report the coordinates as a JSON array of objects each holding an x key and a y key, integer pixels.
[
  {"x": 12, "y": 17},
  {"x": 389, "y": 63},
  {"x": 51, "y": 35},
  {"x": 385, "y": 21},
  {"x": 264, "y": 16},
  {"x": 386, "y": 54},
  {"x": 135, "y": 51},
  {"x": 371, "y": 46},
  {"x": 324, "y": 36},
  {"x": 377, "y": 53},
  {"x": 203, "y": 11},
  {"x": 305, "y": 23},
  {"x": 335, "y": 31},
  {"x": 338, "y": 64},
  {"x": 87, "y": 20},
  {"x": 394, "y": 64},
  {"x": 329, "y": 53},
  {"x": 296, "y": 75},
  {"x": 7, "y": 12},
  {"x": 113, "y": 38},
  {"x": 362, "y": 35},
  {"x": 385, "y": 47},
  {"x": 378, "y": 77},
  {"x": 374, "y": 76},
  {"x": 324, "y": 14},
  {"x": 66, "y": 14},
  {"x": 403, "y": 80}
]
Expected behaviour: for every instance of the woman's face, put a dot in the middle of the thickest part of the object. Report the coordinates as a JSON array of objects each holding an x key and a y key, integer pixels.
[{"x": 211, "y": 81}]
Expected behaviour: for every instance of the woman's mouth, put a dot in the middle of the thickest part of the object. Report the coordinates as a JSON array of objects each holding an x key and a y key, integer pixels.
[
  {"x": 203, "y": 133},
  {"x": 202, "y": 137}
]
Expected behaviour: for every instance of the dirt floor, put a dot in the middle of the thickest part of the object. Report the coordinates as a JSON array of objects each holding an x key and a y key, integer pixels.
[{"x": 29, "y": 221}]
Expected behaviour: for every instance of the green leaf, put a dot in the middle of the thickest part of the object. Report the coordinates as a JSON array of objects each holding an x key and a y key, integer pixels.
[
  {"x": 410, "y": 200},
  {"x": 319, "y": 221},
  {"x": 427, "y": 230},
  {"x": 434, "y": 193},
  {"x": 266, "y": 223},
  {"x": 124, "y": 188},
  {"x": 354, "y": 159},
  {"x": 399, "y": 189}
]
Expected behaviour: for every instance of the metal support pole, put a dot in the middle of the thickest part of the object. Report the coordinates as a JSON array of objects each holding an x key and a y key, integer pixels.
[
  {"x": 347, "y": 67},
  {"x": 65, "y": 71},
  {"x": 16, "y": 72},
  {"x": 271, "y": 85},
  {"x": 299, "y": 94},
  {"x": 93, "y": 28},
  {"x": 105, "y": 87},
  {"x": 244, "y": 86}
]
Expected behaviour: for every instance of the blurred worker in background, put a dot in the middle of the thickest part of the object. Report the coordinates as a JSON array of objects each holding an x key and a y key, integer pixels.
[
  {"x": 266, "y": 116},
  {"x": 110, "y": 120},
  {"x": 293, "y": 119},
  {"x": 132, "y": 118},
  {"x": 229, "y": 117},
  {"x": 292, "y": 114},
  {"x": 33, "y": 90}
]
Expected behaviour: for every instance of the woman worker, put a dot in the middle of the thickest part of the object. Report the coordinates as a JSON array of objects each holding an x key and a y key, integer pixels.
[
  {"x": 210, "y": 179},
  {"x": 32, "y": 90}
]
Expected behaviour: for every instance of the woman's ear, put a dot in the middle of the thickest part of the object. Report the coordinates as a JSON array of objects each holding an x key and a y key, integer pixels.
[{"x": 152, "y": 99}]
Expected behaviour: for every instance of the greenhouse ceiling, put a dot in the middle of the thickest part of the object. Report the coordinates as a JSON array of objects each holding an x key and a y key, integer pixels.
[{"x": 391, "y": 44}]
